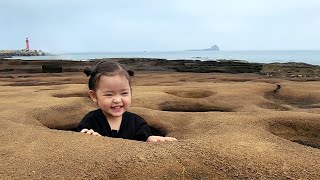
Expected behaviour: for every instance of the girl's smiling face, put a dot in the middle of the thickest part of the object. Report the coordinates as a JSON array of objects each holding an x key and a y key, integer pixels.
[{"x": 113, "y": 95}]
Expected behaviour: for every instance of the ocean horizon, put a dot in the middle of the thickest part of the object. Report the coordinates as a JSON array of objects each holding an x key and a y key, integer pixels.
[{"x": 257, "y": 56}]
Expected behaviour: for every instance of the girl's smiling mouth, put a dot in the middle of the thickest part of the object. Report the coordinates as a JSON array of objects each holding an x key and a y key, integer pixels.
[{"x": 117, "y": 108}]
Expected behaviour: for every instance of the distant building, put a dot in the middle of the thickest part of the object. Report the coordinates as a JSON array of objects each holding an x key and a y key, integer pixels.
[{"x": 27, "y": 44}]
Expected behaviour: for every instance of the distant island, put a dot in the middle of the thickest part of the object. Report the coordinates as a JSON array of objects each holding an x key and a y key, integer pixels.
[{"x": 212, "y": 48}]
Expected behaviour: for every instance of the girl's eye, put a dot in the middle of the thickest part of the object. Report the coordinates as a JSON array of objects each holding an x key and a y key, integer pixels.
[
  {"x": 125, "y": 93},
  {"x": 108, "y": 95}
]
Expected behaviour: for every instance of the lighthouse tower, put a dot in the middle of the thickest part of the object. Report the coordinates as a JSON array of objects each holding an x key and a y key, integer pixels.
[{"x": 27, "y": 44}]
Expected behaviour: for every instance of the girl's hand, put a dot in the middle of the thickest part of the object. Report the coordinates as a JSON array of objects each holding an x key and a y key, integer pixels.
[
  {"x": 91, "y": 132},
  {"x": 152, "y": 139}
]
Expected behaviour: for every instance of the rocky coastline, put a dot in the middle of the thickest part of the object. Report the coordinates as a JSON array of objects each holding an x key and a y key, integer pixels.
[
  {"x": 282, "y": 70},
  {"x": 23, "y": 52}
]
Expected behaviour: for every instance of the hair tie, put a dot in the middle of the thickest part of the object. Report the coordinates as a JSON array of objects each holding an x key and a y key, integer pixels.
[{"x": 88, "y": 71}]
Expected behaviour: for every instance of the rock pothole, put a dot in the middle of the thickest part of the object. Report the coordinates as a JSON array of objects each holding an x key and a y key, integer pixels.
[
  {"x": 180, "y": 106},
  {"x": 35, "y": 83},
  {"x": 298, "y": 132},
  {"x": 294, "y": 98},
  {"x": 80, "y": 94},
  {"x": 156, "y": 131},
  {"x": 67, "y": 117},
  {"x": 274, "y": 106},
  {"x": 192, "y": 93}
]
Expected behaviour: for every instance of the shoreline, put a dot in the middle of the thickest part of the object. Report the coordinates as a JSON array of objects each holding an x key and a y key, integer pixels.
[
  {"x": 279, "y": 70},
  {"x": 252, "y": 56}
]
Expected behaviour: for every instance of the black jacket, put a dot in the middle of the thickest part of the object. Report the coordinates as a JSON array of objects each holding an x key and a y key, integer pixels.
[{"x": 132, "y": 126}]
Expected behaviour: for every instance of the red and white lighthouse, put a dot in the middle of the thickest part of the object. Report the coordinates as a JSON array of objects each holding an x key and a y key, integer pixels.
[{"x": 27, "y": 44}]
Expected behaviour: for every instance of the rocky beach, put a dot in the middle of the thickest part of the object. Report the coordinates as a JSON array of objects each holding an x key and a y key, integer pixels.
[{"x": 232, "y": 119}]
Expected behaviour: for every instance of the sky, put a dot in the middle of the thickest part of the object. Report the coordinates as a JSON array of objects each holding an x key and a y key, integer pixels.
[{"x": 66, "y": 26}]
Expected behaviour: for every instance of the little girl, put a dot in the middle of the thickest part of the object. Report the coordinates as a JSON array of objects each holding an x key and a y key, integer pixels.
[{"x": 110, "y": 88}]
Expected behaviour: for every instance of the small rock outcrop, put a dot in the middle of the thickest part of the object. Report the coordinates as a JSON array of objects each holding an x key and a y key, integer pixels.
[
  {"x": 23, "y": 52},
  {"x": 213, "y": 48}
]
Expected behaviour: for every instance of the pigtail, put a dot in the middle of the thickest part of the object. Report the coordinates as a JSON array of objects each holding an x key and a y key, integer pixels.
[
  {"x": 131, "y": 73},
  {"x": 88, "y": 71}
]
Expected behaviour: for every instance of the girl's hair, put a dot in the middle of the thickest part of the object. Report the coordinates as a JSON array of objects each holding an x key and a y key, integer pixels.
[{"x": 106, "y": 68}]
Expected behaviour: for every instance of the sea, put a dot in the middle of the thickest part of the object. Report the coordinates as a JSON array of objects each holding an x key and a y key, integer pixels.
[{"x": 258, "y": 56}]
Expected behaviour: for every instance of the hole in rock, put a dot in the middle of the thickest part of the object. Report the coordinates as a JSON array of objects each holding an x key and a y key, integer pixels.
[
  {"x": 190, "y": 107},
  {"x": 195, "y": 93},
  {"x": 67, "y": 118},
  {"x": 292, "y": 97},
  {"x": 274, "y": 106},
  {"x": 80, "y": 94},
  {"x": 302, "y": 133},
  {"x": 154, "y": 130},
  {"x": 35, "y": 83}
]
